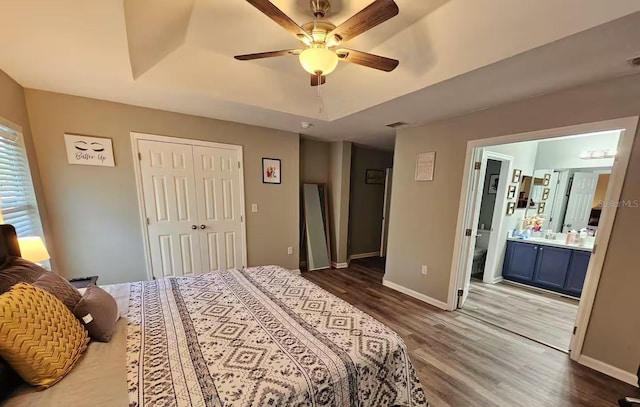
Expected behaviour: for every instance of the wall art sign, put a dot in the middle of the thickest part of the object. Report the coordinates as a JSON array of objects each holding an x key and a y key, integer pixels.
[
  {"x": 85, "y": 150},
  {"x": 374, "y": 177},
  {"x": 271, "y": 171},
  {"x": 425, "y": 164}
]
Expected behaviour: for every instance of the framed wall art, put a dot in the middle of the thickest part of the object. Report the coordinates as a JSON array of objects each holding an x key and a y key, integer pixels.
[{"x": 271, "y": 171}]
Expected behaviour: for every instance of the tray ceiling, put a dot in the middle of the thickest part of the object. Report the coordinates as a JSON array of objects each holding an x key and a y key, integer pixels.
[{"x": 177, "y": 55}]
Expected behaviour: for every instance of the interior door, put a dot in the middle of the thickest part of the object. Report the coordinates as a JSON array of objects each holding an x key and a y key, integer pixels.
[
  {"x": 170, "y": 204},
  {"x": 217, "y": 180},
  {"x": 580, "y": 201},
  {"x": 472, "y": 216},
  {"x": 385, "y": 212}
]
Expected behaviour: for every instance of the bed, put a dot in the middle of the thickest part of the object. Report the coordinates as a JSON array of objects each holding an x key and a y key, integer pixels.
[{"x": 256, "y": 337}]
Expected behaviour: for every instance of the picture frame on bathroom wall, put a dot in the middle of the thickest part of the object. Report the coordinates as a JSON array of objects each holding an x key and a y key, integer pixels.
[
  {"x": 545, "y": 193},
  {"x": 511, "y": 208},
  {"x": 511, "y": 193},
  {"x": 546, "y": 180},
  {"x": 541, "y": 207},
  {"x": 516, "y": 176}
]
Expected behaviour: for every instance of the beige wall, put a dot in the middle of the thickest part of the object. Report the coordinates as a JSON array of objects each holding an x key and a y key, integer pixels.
[
  {"x": 13, "y": 109},
  {"x": 424, "y": 214},
  {"x": 314, "y": 169},
  {"x": 339, "y": 180},
  {"x": 314, "y": 161},
  {"x": 95, "y": 220},
  {"x": 366, "y": 201}
]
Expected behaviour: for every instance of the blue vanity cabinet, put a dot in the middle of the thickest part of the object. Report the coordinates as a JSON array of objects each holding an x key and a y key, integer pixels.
[
  {"x": 552, "y": 267},
  {"x": 577, "y": 272},
  {"x": 520, "y": 261}
]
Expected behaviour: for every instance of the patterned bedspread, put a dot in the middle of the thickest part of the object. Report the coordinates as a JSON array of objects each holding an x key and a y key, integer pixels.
[{"x": 260, "y": 337}]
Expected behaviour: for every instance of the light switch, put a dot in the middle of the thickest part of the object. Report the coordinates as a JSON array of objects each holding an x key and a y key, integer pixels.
[
  {"x": 254, "y": 208},
  {"x": 290, "y": 250}
]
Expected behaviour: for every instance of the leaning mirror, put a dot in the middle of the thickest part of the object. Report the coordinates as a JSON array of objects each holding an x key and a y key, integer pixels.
[{"x": 316, "y": 226}]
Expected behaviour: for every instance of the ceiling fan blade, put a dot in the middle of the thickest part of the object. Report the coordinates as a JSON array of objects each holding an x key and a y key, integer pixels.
[
  {"x": 269, "y": 54},
  {"x": 374, "y": 14},
  {"x": 368, "y": 60},
  {"x": 314, "y": 80},
  {"x": 274, "y": 13}
]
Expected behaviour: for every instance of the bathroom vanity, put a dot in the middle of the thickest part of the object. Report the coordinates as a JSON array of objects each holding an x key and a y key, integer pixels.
[{"x": 549, "y": 264}]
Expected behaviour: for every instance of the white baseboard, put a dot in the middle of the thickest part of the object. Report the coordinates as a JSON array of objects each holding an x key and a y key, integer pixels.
[
  {"x": 339, "y": 265},
  {"x": 609, "y": 370},
  {"x": 415, "y": 294},
  {"x": 363, "y": 255}
]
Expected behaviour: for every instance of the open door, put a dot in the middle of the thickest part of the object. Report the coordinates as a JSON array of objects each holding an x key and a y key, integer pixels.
[
  {"x": 580, "y": 202},
  {"x": 472, "y": 216},
  {"x": 385, "y": 212}
]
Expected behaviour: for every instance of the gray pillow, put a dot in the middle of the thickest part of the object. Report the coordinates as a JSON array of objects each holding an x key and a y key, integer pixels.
[
  {"x": 60, "y": 288},
  {"x": 98, "y": 312},
  {"x": 18, "y": 270}
]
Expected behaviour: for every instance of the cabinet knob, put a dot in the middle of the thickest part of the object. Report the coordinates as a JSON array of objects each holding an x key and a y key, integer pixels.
[
  {"x": 203, "y": 227},
  {"x": 194, "y": 227},
  {"x": 541, "y": 248}
]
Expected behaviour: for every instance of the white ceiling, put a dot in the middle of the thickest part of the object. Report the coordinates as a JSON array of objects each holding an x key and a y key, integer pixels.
[{"x": 455, "y": 56}]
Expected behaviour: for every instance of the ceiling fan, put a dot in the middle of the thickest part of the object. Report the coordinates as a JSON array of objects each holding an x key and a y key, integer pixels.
[{"x": 322, "y": 41}]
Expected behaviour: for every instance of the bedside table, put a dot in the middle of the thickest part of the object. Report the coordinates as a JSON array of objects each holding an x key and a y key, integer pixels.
[{"x": 83, "y": 282}]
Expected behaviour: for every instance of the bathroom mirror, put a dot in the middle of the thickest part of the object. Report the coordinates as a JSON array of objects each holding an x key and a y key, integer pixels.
[
  {"x": 570, "y": 200},
  {"x": 316, "y": 226}
]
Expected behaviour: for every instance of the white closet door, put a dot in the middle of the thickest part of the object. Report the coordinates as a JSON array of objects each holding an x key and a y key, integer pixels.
[
  {"x": 217, "y": 177},
  {"x": 170, "y": 204}
]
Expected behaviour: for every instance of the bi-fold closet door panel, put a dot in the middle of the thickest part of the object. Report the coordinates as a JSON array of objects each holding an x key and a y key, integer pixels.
[
  {"x": 169, "y": 190},
  {"x": 217, "y": 177},
  {"x": 193, "y": 203}
]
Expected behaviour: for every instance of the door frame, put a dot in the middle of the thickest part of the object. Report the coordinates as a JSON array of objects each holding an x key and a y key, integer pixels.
[
  {"x": 628, "y": 127},
  {"x": 386, "y": 206},
  {"x": 135, "y": 137}
]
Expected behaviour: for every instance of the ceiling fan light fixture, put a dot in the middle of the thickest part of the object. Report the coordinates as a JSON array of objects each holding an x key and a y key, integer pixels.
[{"x": 318, "y": 61}]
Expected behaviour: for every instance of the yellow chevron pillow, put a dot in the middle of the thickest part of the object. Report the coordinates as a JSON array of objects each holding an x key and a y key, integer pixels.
[{"x": 39, "y": 336}]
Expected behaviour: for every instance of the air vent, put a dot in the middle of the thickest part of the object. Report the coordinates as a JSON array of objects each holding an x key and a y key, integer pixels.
[
  {"x": 635, "y": 62},
  {"x": 398, "y": 125}
]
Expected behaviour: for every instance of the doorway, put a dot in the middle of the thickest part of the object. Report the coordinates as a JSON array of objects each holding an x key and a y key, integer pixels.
[
  {"x": 532, "y": 266},
  {"x": 191, "y": 196}
]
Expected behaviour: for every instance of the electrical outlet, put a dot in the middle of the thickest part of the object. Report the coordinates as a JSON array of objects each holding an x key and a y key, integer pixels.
[
  {"x": 290, "y": 250},
  {"x": 424, "y": 270},
  {"x": 254, "y": 208}
]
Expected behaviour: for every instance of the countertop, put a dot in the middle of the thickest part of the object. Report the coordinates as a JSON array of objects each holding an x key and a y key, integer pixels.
[{"x": 554, "y": 243}]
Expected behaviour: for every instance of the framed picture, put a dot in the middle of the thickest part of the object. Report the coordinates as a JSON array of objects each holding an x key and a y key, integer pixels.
[
  {"x": 271, "y": 171},
  {"x": 425, "y": 165},
  {"x": 546, "y": 180},
  {"x": 494, "y": 180},
  {"x": 512, "y": 192},
  {"x": 516, "y": 176},
  {"x": 375, "y": 177},
  {"x": 541, "y": 207},
  {"x": 545, "y": 193},
  {"x": 511, "y": 208},
  {"x": 85, "y": 150}
]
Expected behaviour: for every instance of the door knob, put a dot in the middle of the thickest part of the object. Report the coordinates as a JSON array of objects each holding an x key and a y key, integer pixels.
[
  {"x": 194, "y": 227},
  {"x": 203, "y": 227}
]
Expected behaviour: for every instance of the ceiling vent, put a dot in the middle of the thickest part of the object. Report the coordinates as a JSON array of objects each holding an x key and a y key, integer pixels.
[
  {"x": 635, "y": 62},
  {"x": 398, "y": 125}
]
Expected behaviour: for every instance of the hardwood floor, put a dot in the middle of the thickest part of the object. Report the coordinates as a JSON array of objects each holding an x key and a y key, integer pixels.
[
  {"x": 546, "y": 318},
  {"x": 462, "y": 361}
]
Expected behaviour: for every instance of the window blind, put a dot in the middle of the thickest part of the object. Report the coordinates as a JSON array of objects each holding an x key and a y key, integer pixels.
[{"x": 17, "y": 198}]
